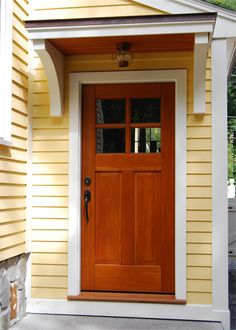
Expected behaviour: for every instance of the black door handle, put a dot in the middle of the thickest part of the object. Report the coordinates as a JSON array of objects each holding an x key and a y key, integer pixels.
[{"x": 87, "y": 197}]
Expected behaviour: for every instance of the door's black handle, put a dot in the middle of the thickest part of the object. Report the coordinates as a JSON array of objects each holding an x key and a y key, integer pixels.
[{"x": 87, "y": 197}]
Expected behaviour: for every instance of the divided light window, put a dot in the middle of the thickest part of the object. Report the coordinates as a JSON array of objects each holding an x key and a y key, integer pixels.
[{"x": 5, "y": 71}]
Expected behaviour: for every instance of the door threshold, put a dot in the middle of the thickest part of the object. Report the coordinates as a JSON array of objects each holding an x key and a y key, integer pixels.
[{"x": 128, "y": 297}]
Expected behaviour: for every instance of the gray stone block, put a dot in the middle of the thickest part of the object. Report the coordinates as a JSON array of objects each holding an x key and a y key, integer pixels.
[
  {"x": 21, "y": 269},
  {"x": 21, "y": 304},
  {"x": 12, "y": 268},
  {"x": 4, "y": 289},
  {"x": 5, "y": 319}
]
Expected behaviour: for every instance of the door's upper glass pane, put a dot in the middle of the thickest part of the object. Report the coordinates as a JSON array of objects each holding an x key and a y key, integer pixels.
[
  {"x": 145, "y": 111},
  {"x": 145, "y": 140},
  {"x": 110, "y": 111},
  {"x": 110, "y": 140}
]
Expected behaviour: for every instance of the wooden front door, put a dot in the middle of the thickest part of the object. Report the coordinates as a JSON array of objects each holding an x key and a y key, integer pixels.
[{"x": 128, "y": 153}]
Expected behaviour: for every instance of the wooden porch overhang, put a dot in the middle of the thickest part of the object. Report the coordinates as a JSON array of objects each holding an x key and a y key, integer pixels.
[{"x": 52, "y": 39}]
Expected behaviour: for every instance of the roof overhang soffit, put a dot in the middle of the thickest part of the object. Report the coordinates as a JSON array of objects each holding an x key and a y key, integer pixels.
[{"x": 42, "y": 31}]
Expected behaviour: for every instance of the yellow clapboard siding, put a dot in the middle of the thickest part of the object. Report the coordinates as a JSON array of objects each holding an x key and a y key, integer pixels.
[
  {"x": 7, "y": 190},
  {"x": 199, "y": 248},
  {"x": 49, "y": 293},
  {"x": 19, "y": 118},
  {"x": 198, "y": 144},
  {"x": 44, "y": 5},
  {"x": 50, "y": 146},
  {"x": 19, "y": 91},
  {"x": 12, "y": 240},
  {"x": 20, "y": 11},
  {"x": 49, "y": 270},
  {"x": 45, "y": 123},
  {"x": 50, "y": 169},
  {"x": 13, "y": 227},
  {"x": 49, "y": 282},
  {"x": 12, "y": 203},
  {"x": 199, "y": 298},
  {"x": 50, "y": 235},
  {"x": 42, "y": 111},
  {"x": 199, "y": 156},
  {"x": 13, "y": 178},
  {"x": 39, "y": 75},
  {"x": 50, "y": 191},
  {"x": 199, "y": 286},
  {"x": 199, "y": 168},
  {"x": 19, "y": 64},
  {"x": 199, "y": 260},
  {"x": 190, "y": 108},
  {"x": 199, "y": 132},
  {"x": 19, "y": 143},
  {"x": 6, "y": 165},
  {"x": 19, "y": 78},
  {"x": 23, "y": 4},
  {"x": 41, "y": 99},
  {"x": 12, "y": 215},
  {"x": 199, "y": 273},
  {"x": 12, "y": 251},
  {"x": 18, "y": 131},
  {"x": 93, "y": 12},
  {"x": 199, "y": 237},
  {"x": 40, "y": 87},
  {"x": 200, "y": 120},
  {"x": 199, "y": 204},
  {"x": 199, "y": 180},
  {"x": 50, "y": 258},
  {"x": 196, "y": 226},
  {"x": 20, "y": 52},
  {"x": 19, "y": 105},
  {"x": 199, "y": 215},
  {"x": 52, "y": 157},
  {"x": 49, "y": 201},
  {"x": 47, "y": 212},
  {"x": 13, "y": 153},
  {"x": 46, "y": 180},
  {"x": 199, "y": 192},
  {"x": 49, "y": 224},
  {"x": 49, "y": 134},
  {"x": 47, "y": 247}
]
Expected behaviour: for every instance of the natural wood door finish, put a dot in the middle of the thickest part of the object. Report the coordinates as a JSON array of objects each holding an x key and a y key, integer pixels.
[{"x": 128, "y": 153}]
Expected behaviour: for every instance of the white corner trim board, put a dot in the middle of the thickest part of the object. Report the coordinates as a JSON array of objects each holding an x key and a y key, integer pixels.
[
  {"x": 53, "y": 62},
  {"x": 74, "y": 248},
  {"x": 200, "y": 60},
  {"x": 6, "y": 71}
]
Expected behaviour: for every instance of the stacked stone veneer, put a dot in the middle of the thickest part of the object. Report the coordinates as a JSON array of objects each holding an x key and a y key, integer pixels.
[{"x": 12, "y": 290}]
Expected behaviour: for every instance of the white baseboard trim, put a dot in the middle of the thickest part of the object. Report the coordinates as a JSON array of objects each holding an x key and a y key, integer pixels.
[{"x": 121, "y": 309}]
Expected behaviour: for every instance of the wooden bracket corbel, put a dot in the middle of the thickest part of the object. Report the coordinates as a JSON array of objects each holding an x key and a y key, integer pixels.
[
  {"x": 53, "y": 62},
  {"x": 200, "y": 60}
]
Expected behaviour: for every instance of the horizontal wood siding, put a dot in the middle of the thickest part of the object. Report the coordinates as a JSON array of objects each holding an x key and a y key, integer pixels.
[
  {"x": 13, "y": 160},
  {"x": 50, "y": 178},
  {"x": 44, "y": 9}
]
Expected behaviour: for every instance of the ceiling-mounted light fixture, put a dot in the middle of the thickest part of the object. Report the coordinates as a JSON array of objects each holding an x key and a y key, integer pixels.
[{"x": 123, "y": 57}]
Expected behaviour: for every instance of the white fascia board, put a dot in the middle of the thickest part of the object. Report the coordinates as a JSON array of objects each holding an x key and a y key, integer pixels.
[
  {"x": 53, "y": 62},
  {"x": 121, "y": 30},
  {"x": 226, "y": 21}
]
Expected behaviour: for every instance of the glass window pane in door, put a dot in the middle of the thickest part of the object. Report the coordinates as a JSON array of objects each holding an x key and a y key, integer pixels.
[
  {"x": 110, "y": 140},
  {"x": 110, "y": 111},
  {"x": 145, "y": 110},
  {"x": 146, "y": 140}
]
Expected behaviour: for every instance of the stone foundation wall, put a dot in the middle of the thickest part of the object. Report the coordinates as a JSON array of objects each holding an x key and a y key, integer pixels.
[{"x": 12, "y": 290}]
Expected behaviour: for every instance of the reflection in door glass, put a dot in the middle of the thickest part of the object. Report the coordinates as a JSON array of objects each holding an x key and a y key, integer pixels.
[
  {"x": 110, "y": 111},
  {"x": 145, "y": 111},
  {"x": 110, "y": 140},
  {"x": 146, "y": 140}
]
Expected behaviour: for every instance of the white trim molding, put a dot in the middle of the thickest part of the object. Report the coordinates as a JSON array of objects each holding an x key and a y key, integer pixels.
[
  {"x": 200, "y": 60},
  {"x": 74, "y": 248},
  {"x": 6, "y": 71},
  {"x": 53, "y": 62},
  {"x": 219, "y": 177}
]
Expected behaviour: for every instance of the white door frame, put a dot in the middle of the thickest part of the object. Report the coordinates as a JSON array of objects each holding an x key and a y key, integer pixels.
[{"x": 74, "y": 248}]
